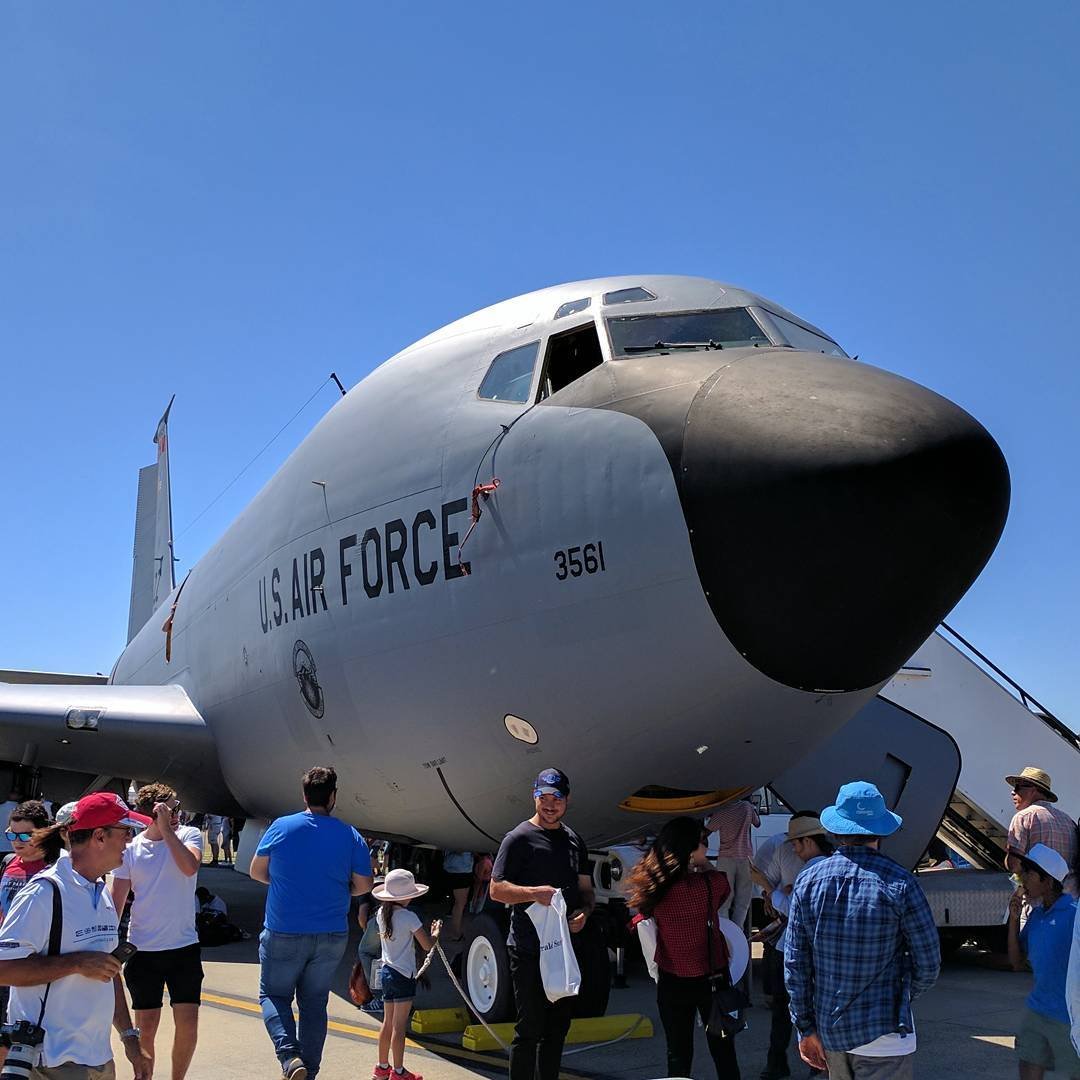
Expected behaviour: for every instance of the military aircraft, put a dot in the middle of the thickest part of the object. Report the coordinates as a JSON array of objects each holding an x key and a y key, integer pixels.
[{"x": 657, "y": 531}]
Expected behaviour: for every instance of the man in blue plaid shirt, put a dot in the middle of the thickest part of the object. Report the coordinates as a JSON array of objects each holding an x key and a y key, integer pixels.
[{"x": 861, "y": 946}]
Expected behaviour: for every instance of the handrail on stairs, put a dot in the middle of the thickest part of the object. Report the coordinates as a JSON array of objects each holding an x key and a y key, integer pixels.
[{"x": 1032, "y": 704}]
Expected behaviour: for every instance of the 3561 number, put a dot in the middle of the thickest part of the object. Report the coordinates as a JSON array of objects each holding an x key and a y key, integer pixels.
[{"x": 575, "y": 561}]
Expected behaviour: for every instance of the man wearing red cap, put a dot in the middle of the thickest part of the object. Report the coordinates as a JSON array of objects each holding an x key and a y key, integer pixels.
[{"x": 74, "y": 992}]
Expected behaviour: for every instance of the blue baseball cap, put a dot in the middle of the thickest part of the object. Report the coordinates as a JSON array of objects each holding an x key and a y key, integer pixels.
[
  {"x": 860, "y": 810},
  {"x": 551, "y": 782}
]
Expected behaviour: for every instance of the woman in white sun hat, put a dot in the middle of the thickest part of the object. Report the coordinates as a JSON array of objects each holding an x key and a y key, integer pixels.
[{"x": 398, "y": 929}]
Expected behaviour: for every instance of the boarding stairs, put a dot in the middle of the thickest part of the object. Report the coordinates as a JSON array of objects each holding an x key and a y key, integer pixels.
[{"x": 998, "y": 727}]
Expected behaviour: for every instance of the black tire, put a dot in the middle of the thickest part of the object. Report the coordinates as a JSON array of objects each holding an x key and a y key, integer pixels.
[
  {"x": 951, "y": 941},
  {"x": 994, "y": 938},
  {"x": 590, "y": 947},
  {"x": 485, "y": 969}
]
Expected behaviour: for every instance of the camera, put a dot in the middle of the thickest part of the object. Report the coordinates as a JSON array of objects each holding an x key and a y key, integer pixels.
[{"x": 25, "y": 1040}]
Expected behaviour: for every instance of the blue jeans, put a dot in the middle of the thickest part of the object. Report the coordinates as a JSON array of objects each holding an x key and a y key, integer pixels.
[{"x": 300, "y": 966}]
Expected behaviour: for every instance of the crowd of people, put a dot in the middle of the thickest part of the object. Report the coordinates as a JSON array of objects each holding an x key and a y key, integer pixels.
[{"x": 849, "y": 942}]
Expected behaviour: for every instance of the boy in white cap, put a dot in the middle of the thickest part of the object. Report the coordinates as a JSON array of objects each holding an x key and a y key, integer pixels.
[{"x": 1043, "y": 1042}]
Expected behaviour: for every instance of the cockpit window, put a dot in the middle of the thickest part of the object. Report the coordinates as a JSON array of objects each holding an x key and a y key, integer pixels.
[
  {"x": 510, "y": 376},
  {"x": 628, "y": 296},
  {"x": 572, "y": 307},
  {"x": 798, "y": 337},
  {"x": 720, "y": 329}
]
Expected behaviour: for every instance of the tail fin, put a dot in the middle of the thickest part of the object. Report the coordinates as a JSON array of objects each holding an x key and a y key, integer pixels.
[{"x": 152, "y": 575}]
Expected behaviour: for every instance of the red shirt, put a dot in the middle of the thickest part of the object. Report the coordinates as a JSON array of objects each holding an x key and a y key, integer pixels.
[
  {"x": 16, "y": 874},
  {"x": 682, "y": 925}
]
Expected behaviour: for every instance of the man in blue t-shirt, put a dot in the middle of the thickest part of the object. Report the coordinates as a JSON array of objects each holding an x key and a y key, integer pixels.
[{"x": 313, "y": 864}]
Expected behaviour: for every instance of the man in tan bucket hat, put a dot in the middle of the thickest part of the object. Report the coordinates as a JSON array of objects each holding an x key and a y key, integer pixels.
[{"x": 1036, "y": 820}]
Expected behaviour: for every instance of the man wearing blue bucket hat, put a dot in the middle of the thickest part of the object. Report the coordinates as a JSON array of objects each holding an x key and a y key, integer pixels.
[{"x": 861, "y": 946}]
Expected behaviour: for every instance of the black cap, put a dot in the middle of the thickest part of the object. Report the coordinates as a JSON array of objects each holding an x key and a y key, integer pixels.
[{"x": 551, "y": 782}]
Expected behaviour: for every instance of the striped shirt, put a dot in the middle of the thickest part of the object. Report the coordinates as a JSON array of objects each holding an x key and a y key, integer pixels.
[
  {"x": 731, "y": 824},
  {"x": 1042, "y": 823},
  {"x": 861, "y": 946}
]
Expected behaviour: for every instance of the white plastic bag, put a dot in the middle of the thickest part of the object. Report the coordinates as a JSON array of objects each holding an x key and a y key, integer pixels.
[
  {"x": 646, "y": 932},
  {"x": 558, "y": 964}
]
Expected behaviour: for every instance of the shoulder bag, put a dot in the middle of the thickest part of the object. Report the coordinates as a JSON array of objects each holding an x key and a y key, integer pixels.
[{"x": 726, "y": 1000}]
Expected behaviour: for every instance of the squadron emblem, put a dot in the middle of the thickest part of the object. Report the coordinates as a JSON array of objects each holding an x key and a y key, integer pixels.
[{"x": 303, "y": 665}]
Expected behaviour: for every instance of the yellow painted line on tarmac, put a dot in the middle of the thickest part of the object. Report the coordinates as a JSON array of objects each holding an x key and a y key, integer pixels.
[
  {"x": 332, "y": 1025},
  {"x": 1008, "y": 1041},
  {"x": 438, "y": 1049}
]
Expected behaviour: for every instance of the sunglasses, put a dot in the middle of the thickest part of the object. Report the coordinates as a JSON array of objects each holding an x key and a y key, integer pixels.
[
  {"x": 120, "y": 828},
  {"x": 22, "y": 836},
  {"x": 1023, "y": 787}
]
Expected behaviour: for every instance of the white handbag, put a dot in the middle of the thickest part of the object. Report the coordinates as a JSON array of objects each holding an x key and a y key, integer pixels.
[
  {"x": 558, "y": 964},
  {"x": 646, "y": 932}
]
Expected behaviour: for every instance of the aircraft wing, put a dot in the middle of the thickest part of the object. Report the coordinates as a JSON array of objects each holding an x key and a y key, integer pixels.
[{"x": 141, "y": 732}]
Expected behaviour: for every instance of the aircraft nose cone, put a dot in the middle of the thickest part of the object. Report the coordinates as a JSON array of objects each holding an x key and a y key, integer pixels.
[{"x": 837, "y": 513}]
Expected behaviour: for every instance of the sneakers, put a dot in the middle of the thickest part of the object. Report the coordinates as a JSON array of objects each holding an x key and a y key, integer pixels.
[
  {"x": 294, "y": 1069},
  {"x": 379, "y": 1073},
  {"x": 404, "y": 1075},
  {"x": 374, "y": 1007}
]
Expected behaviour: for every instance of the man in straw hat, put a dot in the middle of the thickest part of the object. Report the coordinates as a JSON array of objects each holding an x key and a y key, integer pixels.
[
  {"x": 1036, "y": 821},
  {"x": 808, "y": 841},
  {"x": 861, "y": 946}
]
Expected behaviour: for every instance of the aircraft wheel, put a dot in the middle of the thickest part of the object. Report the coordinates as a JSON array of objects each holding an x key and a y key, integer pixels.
[{"x": 486, "y": 969}]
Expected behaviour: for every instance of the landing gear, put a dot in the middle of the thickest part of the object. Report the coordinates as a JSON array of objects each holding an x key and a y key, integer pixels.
[{"x": 486, "y": 969}]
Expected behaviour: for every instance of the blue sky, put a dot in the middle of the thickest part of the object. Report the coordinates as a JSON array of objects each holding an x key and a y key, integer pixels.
[{"x": 227, "y": 201}]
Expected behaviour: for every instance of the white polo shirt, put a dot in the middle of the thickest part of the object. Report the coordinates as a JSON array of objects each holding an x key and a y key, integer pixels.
[
  {"x": 79, "y": 1012},
  {"x": 163, "y": 912}
]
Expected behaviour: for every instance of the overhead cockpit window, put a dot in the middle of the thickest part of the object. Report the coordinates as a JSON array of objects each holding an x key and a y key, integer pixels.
[
  {"x": 720, "y": 329},
  {"x": 572, "y": 307},
  {"x": 510, "y": 376},
  {"x": 628, "y": 296},
  {"x": 798, "y": 337}
]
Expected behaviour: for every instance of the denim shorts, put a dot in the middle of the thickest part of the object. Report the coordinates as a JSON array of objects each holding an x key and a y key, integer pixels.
[{"x": 395, "y": 986}]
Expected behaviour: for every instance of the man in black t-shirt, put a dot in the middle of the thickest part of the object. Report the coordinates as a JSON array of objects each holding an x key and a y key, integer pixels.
[{"x": 535, "y": 860}]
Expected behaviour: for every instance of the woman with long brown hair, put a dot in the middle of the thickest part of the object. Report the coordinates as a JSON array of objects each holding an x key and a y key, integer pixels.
[{"x": 676, "y": 887}]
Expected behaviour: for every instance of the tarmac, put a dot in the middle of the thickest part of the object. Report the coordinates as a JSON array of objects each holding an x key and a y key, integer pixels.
[{"x": 965, "y": 1025}]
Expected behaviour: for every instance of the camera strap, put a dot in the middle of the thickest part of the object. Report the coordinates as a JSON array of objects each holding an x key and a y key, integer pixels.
[{"x": 56, "y": 930}]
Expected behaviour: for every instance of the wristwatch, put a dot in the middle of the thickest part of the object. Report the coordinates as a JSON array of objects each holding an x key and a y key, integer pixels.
[{"x": 130, "y": 1033}]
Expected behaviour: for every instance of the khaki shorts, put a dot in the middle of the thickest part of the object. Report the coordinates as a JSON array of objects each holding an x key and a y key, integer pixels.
[
  {"x": 1043, "y": 1041},
  {"x": 70, "y": 1071}
]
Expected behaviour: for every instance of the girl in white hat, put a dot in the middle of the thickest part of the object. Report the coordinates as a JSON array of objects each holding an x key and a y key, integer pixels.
[{"x": 398, "y": 928}]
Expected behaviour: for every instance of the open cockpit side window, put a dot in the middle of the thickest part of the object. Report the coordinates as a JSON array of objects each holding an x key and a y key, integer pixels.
[{"x": 569, "y": 356}]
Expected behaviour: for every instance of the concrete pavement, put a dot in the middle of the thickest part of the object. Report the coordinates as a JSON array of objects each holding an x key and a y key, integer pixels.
[{"x": 965, "y": 1025}]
